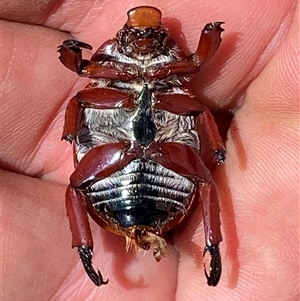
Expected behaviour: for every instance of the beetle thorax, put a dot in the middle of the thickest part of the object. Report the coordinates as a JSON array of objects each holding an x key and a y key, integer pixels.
[{"x": 142, "y": 125}]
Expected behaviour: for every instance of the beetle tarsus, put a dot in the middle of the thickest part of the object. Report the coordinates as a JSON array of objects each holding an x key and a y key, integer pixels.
[
  {"x": 212, "y": 26},
  {"x": 86, "y": 255},
  {"x": 75, "y": 45},
  {"x": 215, "y": 269},
  {"x": 219, "y": 156}
]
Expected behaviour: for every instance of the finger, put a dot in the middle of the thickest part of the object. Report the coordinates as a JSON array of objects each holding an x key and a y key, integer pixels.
[
  {"x": 35, "y": 238},
  {"x": 33, "y": 93},
  {"x": 256, "y": 194},
  {"x": 262, "y": 151}
]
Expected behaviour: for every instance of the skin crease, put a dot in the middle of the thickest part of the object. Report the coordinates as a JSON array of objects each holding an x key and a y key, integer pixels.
[{"x": 254, "y": 74}]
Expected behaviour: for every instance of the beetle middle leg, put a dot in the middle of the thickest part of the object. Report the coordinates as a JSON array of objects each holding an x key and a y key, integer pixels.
[
  {"x": 71, "y": 57},
  {"x": 187, "y": 104},
  {"x": 81, "y": 233},
  {"x": 207, "y": 129},
  {"x": 93, "y": 97},
  {"x": 212, "y": 133}
]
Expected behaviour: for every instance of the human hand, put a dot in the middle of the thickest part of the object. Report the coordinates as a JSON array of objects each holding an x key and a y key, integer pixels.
[{"x": 254, "y": 73}]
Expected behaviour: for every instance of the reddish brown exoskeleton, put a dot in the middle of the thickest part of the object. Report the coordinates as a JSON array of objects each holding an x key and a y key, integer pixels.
[{"x": 139, "y": 139}]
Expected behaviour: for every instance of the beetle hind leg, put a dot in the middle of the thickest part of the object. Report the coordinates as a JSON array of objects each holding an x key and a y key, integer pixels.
[
  {"x": 81, "y": 232},
  {"x": 212, "y": 223},
  {"x": 86, "y": 255},
  {"x": 215, "y": 269}
]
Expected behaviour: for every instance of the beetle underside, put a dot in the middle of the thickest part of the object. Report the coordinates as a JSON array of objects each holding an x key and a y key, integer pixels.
[{"x": 137, "y": 132}]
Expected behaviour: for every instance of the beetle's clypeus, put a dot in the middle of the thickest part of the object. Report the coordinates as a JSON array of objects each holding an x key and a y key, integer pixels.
[{"x": 139, "y": 136}]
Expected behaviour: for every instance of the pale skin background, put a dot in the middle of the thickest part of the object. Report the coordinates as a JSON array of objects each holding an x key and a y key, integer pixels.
[{"x": 254, "y": 73}]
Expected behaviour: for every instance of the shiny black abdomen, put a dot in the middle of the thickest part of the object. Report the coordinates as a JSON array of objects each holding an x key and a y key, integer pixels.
[{"x": 142, "y": 193}]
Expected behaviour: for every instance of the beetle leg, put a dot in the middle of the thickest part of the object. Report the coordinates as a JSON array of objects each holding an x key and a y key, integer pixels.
[
  {"x": 207, "y": 122},
  {"x": 180, "y": 104},
  {"x": 105, "y": 98},
  {"x": 75, "y": 45},
  {"x": 71, "y": 119},
  {"x": 215, "y": 269},
  {"x": 209, "y": 43},
  {"x": 194, "y": 166},
  {"x": 212, "y": 223},
  {"x": 71, "y": 55},
  {"x": 186, "y": 104},
  {"x": 81, "y": 232},
  {"x": 77, "y": 214},
  {"x": 112, "y": 70},
  {"x": 86, "y": 254}
]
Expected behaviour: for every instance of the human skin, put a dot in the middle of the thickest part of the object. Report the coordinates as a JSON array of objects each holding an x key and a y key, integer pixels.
[{"x": 254, "y": 74}]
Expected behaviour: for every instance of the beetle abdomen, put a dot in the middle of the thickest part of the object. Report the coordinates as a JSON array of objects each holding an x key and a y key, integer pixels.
[{"x": 142, "y": 193}]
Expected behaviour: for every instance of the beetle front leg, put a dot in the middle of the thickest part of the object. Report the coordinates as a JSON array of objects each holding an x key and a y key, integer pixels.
[
  {"x": 210, "y": 41},
  {"x": 81, "y": 232},
  {"x": 71, "y": 55},
  {"x": 211, "y": 218}
]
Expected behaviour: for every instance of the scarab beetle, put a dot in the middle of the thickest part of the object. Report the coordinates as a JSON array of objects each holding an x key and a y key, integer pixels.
[{"x": 138, "y": 136}]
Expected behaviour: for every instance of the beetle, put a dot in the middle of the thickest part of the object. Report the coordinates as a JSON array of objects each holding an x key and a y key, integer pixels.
[{"x": 139, "y": 137}]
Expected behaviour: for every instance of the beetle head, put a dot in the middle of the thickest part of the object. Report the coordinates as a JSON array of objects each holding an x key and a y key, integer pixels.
[{"x": 143, "y": 36}]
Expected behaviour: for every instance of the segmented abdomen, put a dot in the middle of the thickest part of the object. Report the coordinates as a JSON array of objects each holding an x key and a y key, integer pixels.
[{"x": 142, "y": 193}]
